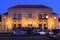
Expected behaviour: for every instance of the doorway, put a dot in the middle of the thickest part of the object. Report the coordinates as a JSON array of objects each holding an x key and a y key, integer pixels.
[
  {"x": 30, "y": 25},
  {"x": 40, "y": 26},
  {"x": 45, "y": 26}
]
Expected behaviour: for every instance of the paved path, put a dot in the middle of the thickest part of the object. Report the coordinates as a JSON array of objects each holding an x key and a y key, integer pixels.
[
  {"x": 14, "y": 37},
  {"x": 6, "y": 37}
]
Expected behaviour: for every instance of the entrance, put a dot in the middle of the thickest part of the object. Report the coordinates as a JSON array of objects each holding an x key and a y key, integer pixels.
[
  {"x": 45, "y": 26},
  {"x": 40, "y": 26},
  {"x": 13, "y": 26},
  {"x": 30, "y": 25}
]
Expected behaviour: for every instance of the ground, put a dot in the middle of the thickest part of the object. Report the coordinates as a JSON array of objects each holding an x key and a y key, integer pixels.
[
  {"x": 15, "y": 37},
  {"x": 24, "y": 38}
]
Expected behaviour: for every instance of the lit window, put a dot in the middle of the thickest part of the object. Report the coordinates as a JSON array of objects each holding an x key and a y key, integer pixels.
[
  {"x": 29, "y": 15},
  {"x": 46, "y": 16},
  {"x": 19, "y": 16},
  {"x": 39, "y": 16},
  {"x": 14, "y": 16},
  {"x": 54, "y": 17}
]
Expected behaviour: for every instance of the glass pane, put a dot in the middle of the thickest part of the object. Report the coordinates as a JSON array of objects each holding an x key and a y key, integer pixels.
[
  {"x": 14, "y": 16},
  {"x": 19, "y": 16},
  {"x": 45, "y": 16},
  {"x": 39, "y": 16},
  {"x": 29, "y": 15}
]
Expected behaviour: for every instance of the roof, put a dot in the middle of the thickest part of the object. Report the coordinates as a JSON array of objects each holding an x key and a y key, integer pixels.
[
  {"x": 54, "y": 13},
  {"x": 59, "y": 19},
  {"x": 30, "y": 6}
]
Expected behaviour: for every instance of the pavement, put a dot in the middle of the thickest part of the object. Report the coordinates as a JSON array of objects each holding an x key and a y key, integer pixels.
[{"x": 16, "y": 37}]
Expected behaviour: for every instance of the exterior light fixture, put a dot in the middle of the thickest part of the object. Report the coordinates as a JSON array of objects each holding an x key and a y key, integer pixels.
[
  {"x": 29, "y": 22},
  {"x": 51, "y": 23},
  {"x": 54, "y": 17},
  {"x": 46, "y": 16},
  {"x": 59, "y": 24},
  {"x": 25, "y": 23},
  {"x": 46, "y": 25},
  {"x": 7, "y": 23},
  {"x": 4, "y": 17},
  {"x": 34, "y": 23}
]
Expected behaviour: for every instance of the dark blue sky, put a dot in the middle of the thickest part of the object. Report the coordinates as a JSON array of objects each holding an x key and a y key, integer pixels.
[{"x": 54, "y": 4}]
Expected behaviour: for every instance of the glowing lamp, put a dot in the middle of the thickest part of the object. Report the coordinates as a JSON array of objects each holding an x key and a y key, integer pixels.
[
  {"x": 59, "y": 24},
  {"x": 4, "y": 17},
  {"x": 51, "y": 23},
  {"x": 46, "y": 16},
  {"x": 7, "y": 23},
  {"x": 25, "y": 23},
  {"x": 34, "y": 23},
  {"x": 54, "y": 17}
]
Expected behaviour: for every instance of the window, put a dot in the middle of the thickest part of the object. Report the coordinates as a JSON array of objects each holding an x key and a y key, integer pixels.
[
  {"x": 19, "y": 16},
  {"x": 45, "y": 26},
  {"x": 39, "y": 16},
  {"x": 44, "y": 16},
  {"x": 40, "y": 26},
  {"x": 14, "y": 16},
  {"x": 29, "y": 15}
]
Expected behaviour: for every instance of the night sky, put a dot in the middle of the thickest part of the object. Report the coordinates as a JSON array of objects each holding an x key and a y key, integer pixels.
[{"x": 54, "y": 4}]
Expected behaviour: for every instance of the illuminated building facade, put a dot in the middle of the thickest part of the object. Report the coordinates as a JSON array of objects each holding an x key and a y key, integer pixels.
[{"x": 29, "y": 16}]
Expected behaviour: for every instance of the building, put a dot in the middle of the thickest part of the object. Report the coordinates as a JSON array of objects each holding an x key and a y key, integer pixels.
[{"x": 29, "y": 16}]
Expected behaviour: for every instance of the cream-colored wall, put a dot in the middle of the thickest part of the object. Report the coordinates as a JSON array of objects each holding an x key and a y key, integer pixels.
[{"x": 24, "y": 11}]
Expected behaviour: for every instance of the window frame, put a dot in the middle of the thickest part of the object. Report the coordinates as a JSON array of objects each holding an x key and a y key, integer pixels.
[{"x": 14, "y": 17}]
